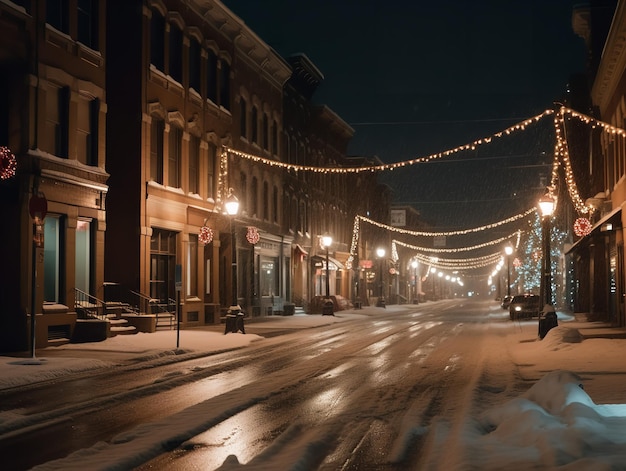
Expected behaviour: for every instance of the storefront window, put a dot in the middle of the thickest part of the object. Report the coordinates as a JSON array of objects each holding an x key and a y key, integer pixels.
[{"x": 269, "y": 276}]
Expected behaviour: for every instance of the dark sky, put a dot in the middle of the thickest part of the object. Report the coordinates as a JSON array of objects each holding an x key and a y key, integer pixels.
[{"x": 414, "y": 78}]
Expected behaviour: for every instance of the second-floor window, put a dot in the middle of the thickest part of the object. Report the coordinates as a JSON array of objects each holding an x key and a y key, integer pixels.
[
  {"x": 157, "y": 40},
  {"x": 194, "y": 161},
  {"x": 225, "y": 85},
  {"x": 254, "y": 125},
  {"x": 211, "y": 76},
  {"x": 57, "y": 120},
  {"x": 156, "y": 150},
  {"x": 173, "y": 167},
  {"x": 194, "y": 64},
  {"x": 87, "y": 16},
  {"x": 176, "y": 53},
  {"x": 243, "y": 118},
  {"x": 57, "y": 14},
  {"x": 210, "y": 178},
  {"x": 87, "y": 130}
]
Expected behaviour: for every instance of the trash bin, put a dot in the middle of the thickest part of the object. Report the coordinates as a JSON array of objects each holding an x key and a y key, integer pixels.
[
  {"x": 547, "y": 322},
  {"x": 234, "y": 322},
  {"x": 328, "y": 308}
]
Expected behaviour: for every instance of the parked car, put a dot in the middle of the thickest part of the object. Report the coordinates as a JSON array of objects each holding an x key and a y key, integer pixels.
[
  {"x": 524, "y": 306},
  {"x": 506, "y": 301}
]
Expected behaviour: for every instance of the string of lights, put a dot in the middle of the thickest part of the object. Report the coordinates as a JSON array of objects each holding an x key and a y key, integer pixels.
[
  {"x": 457, "y": 250},
  {"x": 521, "y": 126},
  {"x": 448, "y": 233}
]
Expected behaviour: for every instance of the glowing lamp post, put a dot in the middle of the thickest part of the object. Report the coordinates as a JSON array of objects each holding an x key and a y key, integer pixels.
[
  {"x": 380, "y": 252},
  {"x": 508, "y": 250},
  {"x": 232, "y": 209},
  {"x": 328, "y": 307},
  {"x": 546, "y": 207},
  {"x": 415, "y": 291}
]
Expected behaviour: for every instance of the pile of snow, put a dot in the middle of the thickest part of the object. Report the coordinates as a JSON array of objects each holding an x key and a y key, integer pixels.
[{"x": 555, "y": 423}]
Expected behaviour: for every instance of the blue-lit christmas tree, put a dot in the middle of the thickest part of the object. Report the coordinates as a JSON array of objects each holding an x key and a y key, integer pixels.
[{"x": 528, "y": 273}]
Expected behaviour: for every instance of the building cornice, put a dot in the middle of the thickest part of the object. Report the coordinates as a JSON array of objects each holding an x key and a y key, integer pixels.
[{"x": 613, "y": 61}]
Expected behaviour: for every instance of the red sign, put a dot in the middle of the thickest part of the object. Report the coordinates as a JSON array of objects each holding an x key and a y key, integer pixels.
[
  {"x": 38, "y": 206},
  {"x": 366, "y": 263}
]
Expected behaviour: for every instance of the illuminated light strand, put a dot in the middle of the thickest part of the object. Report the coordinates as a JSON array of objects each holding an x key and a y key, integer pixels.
[
  {"x": 458, "y": 262},
  {"x": 464, "y": 249},
  {"x": 521, "y": 126},
  {"x": 449, "y": 233},
  {"x": 590, "y": 120},
  {"x": 562, "y": 150}
]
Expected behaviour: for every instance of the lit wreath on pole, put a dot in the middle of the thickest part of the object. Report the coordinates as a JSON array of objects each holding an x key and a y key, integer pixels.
[
  {"x": 8, "y": 164},
  {"x": 582, "y": 227},
  {"x": 252, "y": 235},
  {"x": 206, "y": 235}
]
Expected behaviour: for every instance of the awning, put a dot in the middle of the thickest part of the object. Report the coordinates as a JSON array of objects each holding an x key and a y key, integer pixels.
[
  {"x": 333, "y": 263},
  {"x": 613, "y": 216},
  {"x": 298, "y": 248}
]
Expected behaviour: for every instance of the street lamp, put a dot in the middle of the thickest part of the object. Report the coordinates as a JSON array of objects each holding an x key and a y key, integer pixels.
[
  {"x": 232, "y": 208},
  {"x": 415, "y": 291},
  {"x": 546, "y": 206},
  {"x": 328, "y": 308},
  {"x": 508, "y": 250},
  {"x": 380, "y": 252},
  {"x": 433, "y": 270}
]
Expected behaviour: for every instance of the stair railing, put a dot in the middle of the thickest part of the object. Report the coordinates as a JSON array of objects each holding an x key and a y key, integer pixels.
[{"x": 88, "y": 306}]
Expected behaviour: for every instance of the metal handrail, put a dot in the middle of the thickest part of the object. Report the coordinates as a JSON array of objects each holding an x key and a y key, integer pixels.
[
  {"x": 147, "y": 301},
  {"x": 87, "y": 304}
]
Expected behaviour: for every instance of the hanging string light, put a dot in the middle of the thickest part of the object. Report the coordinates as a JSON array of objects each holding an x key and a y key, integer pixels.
[
  {"x": 448, "y": 233},
  {"x": 463, "y": 249},
  {"x": 521, "y": 126}
]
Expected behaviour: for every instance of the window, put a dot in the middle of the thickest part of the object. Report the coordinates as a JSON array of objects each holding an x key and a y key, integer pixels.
[
  {"x": 210, "y": 178},
  {"x": 54, "y": 254},
  {"x": 266, "y": 201},
  {"x": 275, "y": 205},
  {"x": 176, "y": 53},
  {"x": 57, "y": 120},
  {"x": 57, "y": 14},
  {"x": 274, "y": 138},
  {"x": 194, "y": 65},
  {"x": 194, "y": 163},
  {"x": 268, "y": 276},
  {"x": 192, "y": 266},
  {"x": 243, "y": 178},
  {"x": 87, "y": 131},
  {"x": 84, "y": 255},
  {"x": 156, "y": 149},
  {"x": 173, "y": 167},
  {"x": 243, "y": 118},
  {"x": 265, "y": 131},
  {"x": 157, "y": 40},
  {"x": 211, "y": 73},
  {"x": 254, "y": 190},
  {"x": 162, "y": 265},
  {"x": 255, "y": 125},
  {"x": 225, "y": 85},
  {"x": 87, "y": 15}
]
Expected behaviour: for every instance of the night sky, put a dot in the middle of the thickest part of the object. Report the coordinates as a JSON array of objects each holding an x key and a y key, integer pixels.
[{"x": 414, "y": 78}]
